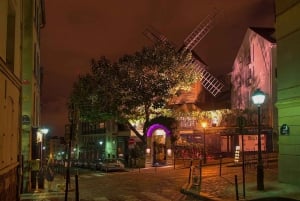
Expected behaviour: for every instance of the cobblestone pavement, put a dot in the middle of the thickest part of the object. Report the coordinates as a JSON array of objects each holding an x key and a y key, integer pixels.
[
  {"x": 213, "y": 186},
  {"x": 152, "y": 184},
  {"x": 224, "y": 188}
]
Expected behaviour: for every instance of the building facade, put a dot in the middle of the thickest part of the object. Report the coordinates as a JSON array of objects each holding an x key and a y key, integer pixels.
[
  {"x": 55, "y": 148},
  {"x": 33, "y": 20},
  {"x": 288, "y": 102},
  {"x": 207, "y": 127},
  {"x": 255, "y": 68},
  {"x": 20, "y": 22},
  {"x": 100, "y": 140},
  {"x": 10, "y": 97}
]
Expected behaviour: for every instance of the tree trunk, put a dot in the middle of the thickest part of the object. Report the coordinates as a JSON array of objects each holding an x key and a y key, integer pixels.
[{"x": 136, "y": 132}]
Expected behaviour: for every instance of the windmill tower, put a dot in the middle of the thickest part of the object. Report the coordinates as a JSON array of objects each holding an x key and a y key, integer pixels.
[{"x": 208, "y": 81}]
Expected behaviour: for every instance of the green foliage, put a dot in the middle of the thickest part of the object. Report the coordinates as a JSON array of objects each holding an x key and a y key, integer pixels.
[
  {"x": 148, "y": 77},
  {"x": 135, "y": 87}
]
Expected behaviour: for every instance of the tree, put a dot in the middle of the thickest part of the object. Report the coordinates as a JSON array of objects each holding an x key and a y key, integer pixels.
[{"x": 137, "y": 86}]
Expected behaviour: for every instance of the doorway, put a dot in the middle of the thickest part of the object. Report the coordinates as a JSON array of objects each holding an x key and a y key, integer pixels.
[{"x": 159, "y": 147}]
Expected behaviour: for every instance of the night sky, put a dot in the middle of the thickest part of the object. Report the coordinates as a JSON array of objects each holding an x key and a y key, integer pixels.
[{"x": 78, "y": 30}]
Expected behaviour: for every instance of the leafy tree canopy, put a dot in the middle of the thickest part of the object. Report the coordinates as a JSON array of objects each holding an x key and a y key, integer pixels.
[{"x": 135, "y": 87}]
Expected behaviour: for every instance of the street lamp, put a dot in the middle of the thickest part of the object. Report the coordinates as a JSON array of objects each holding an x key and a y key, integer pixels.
[
  {"x": 100, "y": 149},
  {"x": 41, "y": 133},
  {"x": 258, "y": 98},
  {"x": 204, "y": 125}
]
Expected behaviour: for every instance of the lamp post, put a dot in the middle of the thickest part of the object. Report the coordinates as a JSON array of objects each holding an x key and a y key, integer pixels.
[
  {"x": 71, "y": 117},
  {"x": 100, "y": 149},
  {"x": 204, "y": 125},
  {"x": 43, "y": 132},
  {"x": 258, "y": 98}
]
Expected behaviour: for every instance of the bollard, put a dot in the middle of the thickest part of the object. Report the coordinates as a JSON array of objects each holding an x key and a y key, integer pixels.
[
  {"x": 77, "y": 189},
  {"x": 174, "y": 163},
  {"x": 190, "y": 174},
  {"x": 36, "y": 182},
  {"x": 200, "y": 171},
  {"x": 191, "y": 164},
  {"x": 236, "y": 187},
  {"x": 195, "y": 177},
  {"x": 220, "y": 171}
]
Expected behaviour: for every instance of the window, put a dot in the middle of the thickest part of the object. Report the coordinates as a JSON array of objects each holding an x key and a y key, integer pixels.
[
  {"x": 10, "y": 42},
  {"x": 101, "y": 125},
  {"x": 92, "y": 128}
]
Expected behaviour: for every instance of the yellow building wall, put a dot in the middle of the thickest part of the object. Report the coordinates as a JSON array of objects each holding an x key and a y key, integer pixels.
[
  {"x": 288, "y": 101},
  {"x": 10, "y": 106}
]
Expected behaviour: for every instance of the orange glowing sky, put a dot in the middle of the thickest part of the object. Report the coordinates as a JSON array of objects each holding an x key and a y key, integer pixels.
[{"x": 79, "y": 30}]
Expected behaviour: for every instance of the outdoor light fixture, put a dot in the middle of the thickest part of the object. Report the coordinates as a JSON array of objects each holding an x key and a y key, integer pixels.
[
  {"x": 43, "y": 132},
  {"x": 169, "y": 152},
  {"x": 258, "y": 98},
  {"x": 204, "y": 125}
]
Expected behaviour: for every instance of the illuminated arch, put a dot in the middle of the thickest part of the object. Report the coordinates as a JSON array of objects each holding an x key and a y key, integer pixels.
[{"x": 154, "y": 127}]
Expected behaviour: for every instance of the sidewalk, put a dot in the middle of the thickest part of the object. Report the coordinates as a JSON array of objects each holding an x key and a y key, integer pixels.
[
  {"x": 55, "y": 193},
  {"x": 223, "y": 187}
]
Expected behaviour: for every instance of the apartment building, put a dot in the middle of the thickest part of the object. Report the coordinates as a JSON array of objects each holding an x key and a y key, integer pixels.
[
  {"x": 33, "y": 20},
  {"x": 10, "y": 97},
  {"x": 255, "y": 68},
  {"x": 20, "y": 22}
]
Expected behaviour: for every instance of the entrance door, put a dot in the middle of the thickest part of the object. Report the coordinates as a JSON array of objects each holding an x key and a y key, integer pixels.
[{"x": 159, "y": 147}]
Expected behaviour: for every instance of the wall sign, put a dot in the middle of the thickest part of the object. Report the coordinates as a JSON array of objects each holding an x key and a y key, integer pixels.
[
  {"x": 284, "y": 129},
  {"x": 25, "y": 120}
]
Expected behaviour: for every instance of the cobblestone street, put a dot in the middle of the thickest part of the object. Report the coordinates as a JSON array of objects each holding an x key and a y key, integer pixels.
[{"x": 167, "y": 183}]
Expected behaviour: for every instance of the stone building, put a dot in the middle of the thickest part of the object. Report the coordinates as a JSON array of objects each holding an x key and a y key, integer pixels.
[
  {"x": 288, "y": 101},
  {"x": 33, "y": 20},
  {"x": 10, "y": 97},
  {"x": 255, "y": 68},
  {"x": 100, "y": 140},
  {"x": 20, "y": 22}
]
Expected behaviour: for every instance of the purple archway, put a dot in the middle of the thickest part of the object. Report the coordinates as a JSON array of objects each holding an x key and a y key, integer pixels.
[{"x": 154, "y": 127}]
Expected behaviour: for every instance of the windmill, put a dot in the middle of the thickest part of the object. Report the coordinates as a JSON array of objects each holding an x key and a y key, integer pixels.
[{"x": 208, "y": 81}]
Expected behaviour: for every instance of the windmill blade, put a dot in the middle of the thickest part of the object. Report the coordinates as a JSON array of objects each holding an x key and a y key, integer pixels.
[
  {"x": 200, "y": 31},
  {"x": 154, "y": 35},
  {"x": 208, "y": 81}
]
